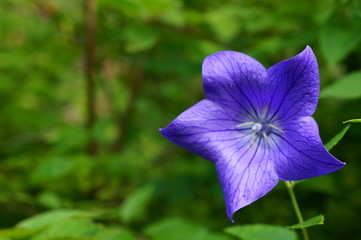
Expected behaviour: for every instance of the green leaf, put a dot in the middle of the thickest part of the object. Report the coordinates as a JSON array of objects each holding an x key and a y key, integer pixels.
[
  {"x": 50, "y": 200},
  {"x": 116, "y": 234},
  {"x": 336, "y": 138},
  {"x": 63, "y": 224},
  {"x": 338, "y": 40},
  {"x": 15, "y": 233},
  {"x": 261, "y": 232},
  {"x": 347, "y": 87},
  {"x": 224, "y": 16},
  {"x": 318, "y": 220},
  {"x": 165, "y": 10},
  {"x": 179, "y": 229},
  {"x": 54, "y": 168},
  {"x": 44, "y": 219},
  {"x": 353, "y": 121},
  {"x": 139, "y": 38},
  {"x": 136, "y": 203},
  {"x": 76, "y": 228}
]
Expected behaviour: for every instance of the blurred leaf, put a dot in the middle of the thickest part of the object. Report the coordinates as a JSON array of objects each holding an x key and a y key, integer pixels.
[
  {"x": 143, "y": 9},
  {"x": 347, "y": 87},
  {"x": 156, "y": 7},
  {"x": 50, "y": 200},
  {"x": 116, "y": 234},
  {"x": 135, "y": 203},
  {"x": 178, "y": 229},
  {"x": 105, "y": 131},
  {"x": 225, "y": 16},
  {"x": 338, "y": 40},
  {"x": 126, "y": 6},
  {"x": 336, "y": 138},
  {"x": 353, "y": 121},
  {"x": 139, "y": 38},
  {"x": 52, "y": 169},
  {"x": 318, "y": 220},
  {"x": 175, "y": 15},
  {"x": 68, "y": 138},
  {"x": 76, "y": 227},
  {"x": 44, "y": 219},
  {"x": 323, "y": 184},
  {"x": 261, "y": 232},
  {"x": 15, "y": 233},
  {"x": 67, "y": 224}
]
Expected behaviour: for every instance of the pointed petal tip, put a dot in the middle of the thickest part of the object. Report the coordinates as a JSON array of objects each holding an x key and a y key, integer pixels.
[
  {"x": 317, "y": 174},
  {"x": 231, "y": 212},
  {"x": 308, "y": 49},
  {"x": 307, "y": 52},
  {"x": 230, "y": 216},
  {"x": 161, "y": 131},
  {"x": 304, "y": 56},
  {"x": 337, "y": 163},
  {"x": 341, "y": 165},
  {"x": 337, "y": 167},
  {"x": 165, "y": 131}
]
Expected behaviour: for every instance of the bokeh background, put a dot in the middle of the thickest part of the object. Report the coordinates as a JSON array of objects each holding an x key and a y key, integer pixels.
[{"x": 85, "y": 86}]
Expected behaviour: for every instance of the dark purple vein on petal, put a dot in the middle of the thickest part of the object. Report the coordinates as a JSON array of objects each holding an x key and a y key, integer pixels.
[
  {"x": 302, "y": 152},
  {"x": 232, "y": 75},
  {"x": 261, "y": 163},
  {"x": 289, "y": 89},
  {"x": 288, "y": 110},
  {"x": 235, "y": 167},
  {"x": 247, "y": 168},
  {"x": 253, "y": 117},
  {"x": 295, "y": 164},
  {"x": 255, "y": 94}
]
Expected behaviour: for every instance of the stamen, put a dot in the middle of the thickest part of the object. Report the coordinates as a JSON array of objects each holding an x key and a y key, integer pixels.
[
  {"x": 277, "y": 128},
  {"x": 268, "y": 140},
  {"x": 245, "y": 124},
  {"x": 252, "y": 139},
  {"x": 264, "y": 112},
  {"x": 261, "y": 128}
]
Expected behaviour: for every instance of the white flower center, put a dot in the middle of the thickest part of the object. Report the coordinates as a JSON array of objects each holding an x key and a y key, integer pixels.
[{"x": 261, "y": 129}]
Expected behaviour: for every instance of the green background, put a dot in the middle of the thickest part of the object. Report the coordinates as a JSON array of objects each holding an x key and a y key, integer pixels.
[{"x": 117, "y": 176}]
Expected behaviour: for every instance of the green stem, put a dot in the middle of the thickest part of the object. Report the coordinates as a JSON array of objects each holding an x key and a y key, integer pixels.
[{"x": 290, "y": 186}]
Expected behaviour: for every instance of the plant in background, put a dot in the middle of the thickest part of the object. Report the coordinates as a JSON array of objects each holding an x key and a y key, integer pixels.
[{"x": 256, "y": 125}]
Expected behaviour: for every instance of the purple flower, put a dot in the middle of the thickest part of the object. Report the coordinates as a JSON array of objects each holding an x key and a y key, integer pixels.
[{"x": 255, "y": 124}]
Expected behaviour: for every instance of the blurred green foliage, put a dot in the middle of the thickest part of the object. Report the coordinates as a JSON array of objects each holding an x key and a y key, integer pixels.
[{"x": 148, "y": 56}]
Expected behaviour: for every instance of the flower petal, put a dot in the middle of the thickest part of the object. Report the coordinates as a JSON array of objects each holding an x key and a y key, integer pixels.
[
  {"x": 206, "y": 129},
  {"x": 236, "y": 80},
  {"x": 293, "y": 86},
  {"x": 247, "y": 175},
  {"x": 300, "y": 153}
]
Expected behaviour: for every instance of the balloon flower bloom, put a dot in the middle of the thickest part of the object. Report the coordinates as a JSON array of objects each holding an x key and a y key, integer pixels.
[{"x": 255, "y": 124}]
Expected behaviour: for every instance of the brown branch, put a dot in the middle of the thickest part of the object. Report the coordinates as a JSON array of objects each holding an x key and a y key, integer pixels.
[{"x": 89, "y": 65}]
